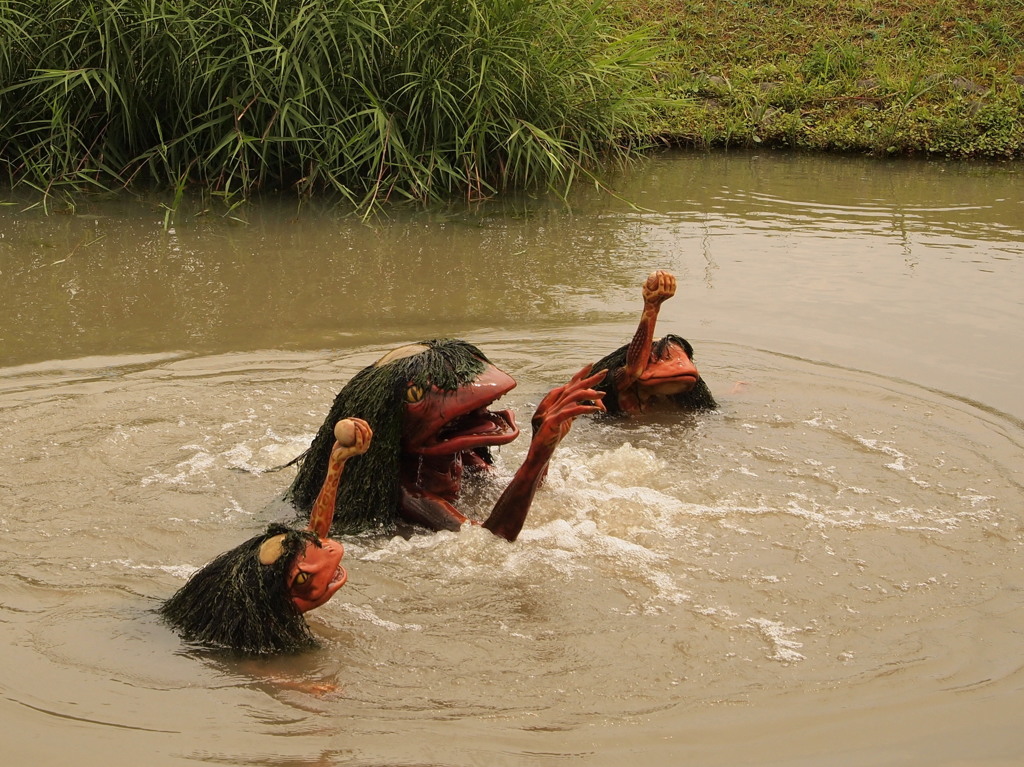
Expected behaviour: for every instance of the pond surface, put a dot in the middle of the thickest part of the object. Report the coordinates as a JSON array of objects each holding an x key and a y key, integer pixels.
[{"x": 827, "y": 571}]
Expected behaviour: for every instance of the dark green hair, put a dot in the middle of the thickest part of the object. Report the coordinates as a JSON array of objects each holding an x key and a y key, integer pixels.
[
  {"x": 698, "y": 398},
  {"x": 368, "y": 495},
  {"x": 235, "y": 602}
]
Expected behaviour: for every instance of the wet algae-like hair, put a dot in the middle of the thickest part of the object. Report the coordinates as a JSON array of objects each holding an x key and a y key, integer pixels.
[
  {"x": 368, "y": 498},
  {"x": 698, "y": 398},
  {"x": 235, "y": 602}
]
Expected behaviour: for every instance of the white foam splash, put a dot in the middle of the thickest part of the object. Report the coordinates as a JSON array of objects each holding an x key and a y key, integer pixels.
[
  {"x": 366, "y": 614},
  {"x": 197, "y": 465},
  {"x": 900, "y": 462},
  {"x": 255, "y": 456},
  {"x": 777, "y": 635},
  {"x": 178, "y": 571}
]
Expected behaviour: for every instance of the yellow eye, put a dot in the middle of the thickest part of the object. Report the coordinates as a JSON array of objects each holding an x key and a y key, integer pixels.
[
  {"x": 414, "y": 393},
  {"x": 301, "y": 578}
]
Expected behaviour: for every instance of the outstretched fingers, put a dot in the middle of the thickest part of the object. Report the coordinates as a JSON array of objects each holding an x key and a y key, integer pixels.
[
  {"x": 557, "y": 410},
  {"x": 574, "y": 390},
  {"x": 578, "y": 396},
  {"x": 584, "y": 378}
]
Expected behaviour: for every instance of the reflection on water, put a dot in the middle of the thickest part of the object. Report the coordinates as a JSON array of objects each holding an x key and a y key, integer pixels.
[
  {"x": 826, "y": 570},
  {"x": 902, "y": 268}
]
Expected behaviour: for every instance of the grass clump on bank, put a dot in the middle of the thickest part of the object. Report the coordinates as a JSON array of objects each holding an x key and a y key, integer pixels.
[
  {"x": 376, "y": 100},
  {"x": 884, "y": 77}
]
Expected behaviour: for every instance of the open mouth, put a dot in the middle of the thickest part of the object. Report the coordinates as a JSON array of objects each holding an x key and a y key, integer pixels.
[
  {"x": 479, "y": 423},
  {"x": 477, "y": 428},
  {"x": 451, "y": 421},
  {"x": 340, "y": 576}
]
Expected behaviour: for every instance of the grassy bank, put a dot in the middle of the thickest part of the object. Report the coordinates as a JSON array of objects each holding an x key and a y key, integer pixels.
[
  {"x": 883, "y": 77},
  {"x": 375, "y": 100},
  {"x": 383, "y": 100}
]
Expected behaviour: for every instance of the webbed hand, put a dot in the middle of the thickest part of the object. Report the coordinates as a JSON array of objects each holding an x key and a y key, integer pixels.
[
  {"x": 551, "y": 422},
  {"x": 555, "y": 413}
]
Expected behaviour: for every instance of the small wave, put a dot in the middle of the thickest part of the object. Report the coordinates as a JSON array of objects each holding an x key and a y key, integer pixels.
[{"x": 778, "y": 636}]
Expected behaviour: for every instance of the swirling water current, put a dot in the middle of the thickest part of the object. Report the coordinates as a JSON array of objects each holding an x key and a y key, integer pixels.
[{"x": 825, "y": 571}]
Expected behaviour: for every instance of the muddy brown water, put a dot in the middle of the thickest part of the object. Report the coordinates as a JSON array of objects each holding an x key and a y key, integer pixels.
[{"x": 828, "y": 571}]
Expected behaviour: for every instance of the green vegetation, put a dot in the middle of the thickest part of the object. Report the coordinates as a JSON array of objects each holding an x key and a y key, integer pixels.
[
  {"x": 420, "y": 100},
  {"x": 870, "y": 76},
  {"x": 373, "y": 99}
]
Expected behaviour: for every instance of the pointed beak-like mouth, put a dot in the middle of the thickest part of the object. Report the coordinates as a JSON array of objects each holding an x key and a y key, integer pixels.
[
  {"x": 461, "y": 420},
  {"x": 673, "y": 373},
  {"x": 668, "y": 386},
  {"x": 478, "y": 428}
]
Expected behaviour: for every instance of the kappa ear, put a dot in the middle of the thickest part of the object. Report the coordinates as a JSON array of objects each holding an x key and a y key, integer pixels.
[{"x": 271, "y": 549}]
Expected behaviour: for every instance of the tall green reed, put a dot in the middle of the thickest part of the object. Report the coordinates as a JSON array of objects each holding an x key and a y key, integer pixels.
[{"x": 373, "y": 99}]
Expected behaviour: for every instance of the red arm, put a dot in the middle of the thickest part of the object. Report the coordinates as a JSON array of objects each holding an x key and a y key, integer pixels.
[
  {"x": 551, "y": 423},
  {"x": 659, "y": 287},
  {"x": 352, "y": 437}
]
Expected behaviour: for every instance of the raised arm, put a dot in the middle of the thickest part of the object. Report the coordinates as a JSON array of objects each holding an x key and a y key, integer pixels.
[
  {"x": 551, "y": 422},
  {"x": 659, "y": 287},
  {"x": 352, "y": 437}
]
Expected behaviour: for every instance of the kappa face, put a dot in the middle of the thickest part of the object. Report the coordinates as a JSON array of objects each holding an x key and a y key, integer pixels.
[
  {"x": 316, "y": 574},
  {"x": 670, "y": 372},
  {"x": 439, "y": 422}
]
